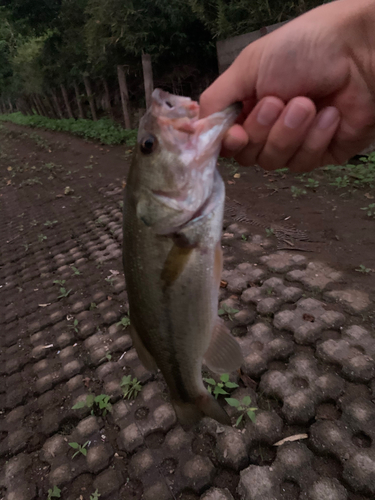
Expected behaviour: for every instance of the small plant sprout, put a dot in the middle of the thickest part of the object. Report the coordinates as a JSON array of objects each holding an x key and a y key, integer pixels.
[
  {"x": 109, "y": 280},
  {"x": 76, "y": 272},
  {"x": 297, "y": 192},
  {"x": 269, "y": 232},
  {"x": 217, "y": 388},
  {"x": 225, "y": 309},
  {"x": 74, "y": 326},
  {"x": 41, "y": 238},
  {"x": 124, "y": 322},
  {"x": 312, "y": 183},
  {"x": 59, "y": 282},
  {"x": 64, "y": 293},
  {"x": 95, "y": 495},
  {"x": 243, "y": 407},
  {"x": 54, "y": 493},
  {"x": 108, "y": 357},
  {"x": 243, "y": 237},
  {"x": 363, "y": 269},
  {"x": 131, "y": 387},
  {"x": 341, "y": 182},
  {"x": 93, "y": 306},
  {"x": 79, "y": 448},
  {"x": 281, "y": 171},
  {"x": 50, "y": 223},
  {"x": 370, "y": 210},
  {"x": 99, "y": 405}
]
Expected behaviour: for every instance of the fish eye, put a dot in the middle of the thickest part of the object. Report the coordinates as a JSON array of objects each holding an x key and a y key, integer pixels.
[{"x": 148, "y": 144}]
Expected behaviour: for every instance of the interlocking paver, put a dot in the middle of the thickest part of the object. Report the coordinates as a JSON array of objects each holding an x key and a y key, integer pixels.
[{"x": 309, "y": 365}]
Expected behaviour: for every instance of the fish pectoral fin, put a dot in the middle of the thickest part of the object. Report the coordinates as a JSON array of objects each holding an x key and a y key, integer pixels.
[
  {"x": 224, "y": 353},
  {"x": 174, "y": 264},
  {"x": 144, "y": 355}
]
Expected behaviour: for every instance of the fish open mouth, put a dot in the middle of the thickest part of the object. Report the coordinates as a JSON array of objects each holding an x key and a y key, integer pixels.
[{"x": 181, "y": 129}]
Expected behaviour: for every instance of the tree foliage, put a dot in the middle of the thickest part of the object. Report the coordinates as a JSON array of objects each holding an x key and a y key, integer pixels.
[
  {"x": 44, "y": 43},
  {"x": 229, "y": 18}
]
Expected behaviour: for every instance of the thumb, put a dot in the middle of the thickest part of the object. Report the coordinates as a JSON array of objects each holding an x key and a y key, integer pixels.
[{"x": 237, "y": 83}]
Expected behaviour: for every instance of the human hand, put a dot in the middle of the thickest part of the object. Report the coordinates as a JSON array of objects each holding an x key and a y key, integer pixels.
[{"x": 308, "y": 90}]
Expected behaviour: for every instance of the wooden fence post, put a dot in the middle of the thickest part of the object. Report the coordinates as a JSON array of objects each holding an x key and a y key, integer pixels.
[
  {"x": 90, "y": 97},
  {"x": 66, "y": 101},
  {"x": 57, "y": 105},
  {"x": 36, "y": 105},
  {"x": 49, "y": 106},
  {"x": 124, "y": 95},
  {"x": 41, "y": 105},
  {"x": 78, "y": 99},
  {"x": 107, "y": 98},
  {"x": 147, "y": 78}
]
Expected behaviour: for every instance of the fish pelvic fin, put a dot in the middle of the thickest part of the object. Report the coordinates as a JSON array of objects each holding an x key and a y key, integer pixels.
[
  {"x": 224, "y": 353},
  {"x": 189, "y": 414}
]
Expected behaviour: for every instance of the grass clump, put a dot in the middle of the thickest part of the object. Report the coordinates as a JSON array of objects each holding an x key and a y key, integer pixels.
[{"x": 104, "y": 130}]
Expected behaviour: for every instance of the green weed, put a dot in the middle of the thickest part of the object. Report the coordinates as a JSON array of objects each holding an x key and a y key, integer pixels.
[
  {"x": 99, "y": 405},
  {"x": 95, "y": 495},
  {"x": 103, "y": 130},
  {"x": 79, "y": 448},
  {"x": 124, "y": 322},
  {"x": 370, "y": 209},
  {"x": 76, "y": 272},
  {"x": 108, "y": 357},
  {"x": 74, "y": 326},
  {"x": 54, "y": 493},
  {"x": 217, "y": 388},
  {"x": 31, "y": 182},
  {"x": 63, "y": 291},
  {"x": 297, "y": 192},
  {"x": 312, "y": 183},
  {"x": 341, "y": 182},
  {"x": 41, "y": 238},
  {"x": 50, "y": 223},
  {"x": 243, "y": 407},
  {"x": 225, "y": 309},
  {"x": 131, "y": 387},
  {"x": 269, "y": 232},
  {"x": 92, "y": 306},
  {"x": 363, "y": 269}
]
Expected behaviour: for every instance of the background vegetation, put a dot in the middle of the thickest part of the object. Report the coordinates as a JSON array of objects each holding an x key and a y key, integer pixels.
[{"x": 47, "y": 47}]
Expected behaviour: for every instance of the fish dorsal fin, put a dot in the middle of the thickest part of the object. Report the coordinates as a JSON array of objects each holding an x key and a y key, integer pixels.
[{"x": 224, "y": 353}]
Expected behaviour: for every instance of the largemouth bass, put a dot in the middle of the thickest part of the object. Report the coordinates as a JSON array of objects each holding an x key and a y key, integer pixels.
[{"x": 173, "y": 214}]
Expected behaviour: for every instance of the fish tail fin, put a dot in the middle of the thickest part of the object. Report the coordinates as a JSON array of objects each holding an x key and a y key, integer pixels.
[{"x": 189, "y": 414}]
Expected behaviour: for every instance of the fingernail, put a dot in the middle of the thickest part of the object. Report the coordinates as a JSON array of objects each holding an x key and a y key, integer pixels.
[
  {"x": 268, "y": 113},
  {"x": 327, "y": 117},
  {"x": 296, "y": 114}
]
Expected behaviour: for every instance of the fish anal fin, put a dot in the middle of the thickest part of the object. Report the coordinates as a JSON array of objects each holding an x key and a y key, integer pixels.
[
  {"x": 144, "y": 355},
  {"x": 218, "y": 264},
  {"x": 224, "y": 353},
  {"x": 174, "y": 264}
]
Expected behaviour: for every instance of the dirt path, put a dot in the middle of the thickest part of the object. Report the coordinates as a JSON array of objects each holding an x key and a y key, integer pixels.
[{"x": 305, "y": 320}]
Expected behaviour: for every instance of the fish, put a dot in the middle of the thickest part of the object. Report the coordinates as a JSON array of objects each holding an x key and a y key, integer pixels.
[{"x": 172, "y": 256}]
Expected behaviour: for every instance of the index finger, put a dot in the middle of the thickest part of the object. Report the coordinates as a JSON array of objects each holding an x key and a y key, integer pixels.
[{"x": 237, "y": 83}]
